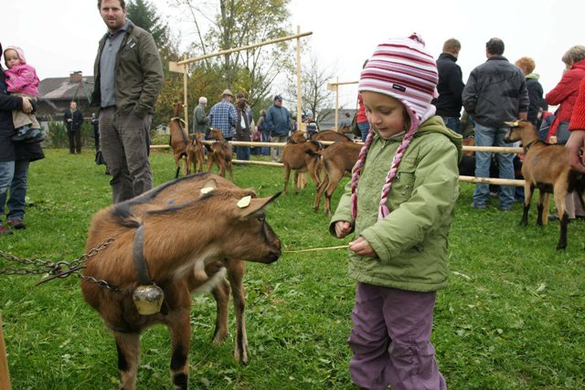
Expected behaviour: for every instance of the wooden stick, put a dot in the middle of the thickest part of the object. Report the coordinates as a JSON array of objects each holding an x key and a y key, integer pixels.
[
  {"x": 318, "y": 249},
  {"x": 492, "y": 180},
  {"x": 4, "y": 375}
]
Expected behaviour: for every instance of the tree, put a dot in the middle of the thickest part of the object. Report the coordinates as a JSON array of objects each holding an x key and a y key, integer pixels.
[
  {"x": 143, "y": 14},
  {"x": 237, "y": 23},
  {"x": 314, "y": 92}
]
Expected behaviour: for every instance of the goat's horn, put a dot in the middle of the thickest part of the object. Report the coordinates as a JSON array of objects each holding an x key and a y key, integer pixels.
[
  {"x": 512, "y": 124},
  {"x": 207, "y": 190},
  {"x": 244, "y": 202}
]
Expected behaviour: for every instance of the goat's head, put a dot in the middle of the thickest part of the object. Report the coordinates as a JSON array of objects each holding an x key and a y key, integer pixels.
[
  {"x": 518, "y": 130},
  {"x": 216, "y": 133},
  {"x": 241, "y": 219}
]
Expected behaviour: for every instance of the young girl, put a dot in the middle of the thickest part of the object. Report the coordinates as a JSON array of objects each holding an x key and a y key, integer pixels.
[
  {"x": 400, "y": 205},
  {"x": 312, "y": 126},
  {"x": 22, "y": 80}
]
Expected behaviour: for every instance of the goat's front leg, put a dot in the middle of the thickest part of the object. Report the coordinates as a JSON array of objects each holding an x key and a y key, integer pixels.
[
  {"x": 236, "y": 269},
  {"x": 128, "y": 346},
  {"x": 180, "y": 330}
]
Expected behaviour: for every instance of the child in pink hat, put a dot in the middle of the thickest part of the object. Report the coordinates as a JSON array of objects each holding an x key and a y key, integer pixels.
[
  {"x": 22, "y": 80},
  {"x": 400, "y": 205}
]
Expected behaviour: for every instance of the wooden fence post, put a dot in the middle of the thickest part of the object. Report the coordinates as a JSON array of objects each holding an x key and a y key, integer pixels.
[{"x": 4, "y": 377}]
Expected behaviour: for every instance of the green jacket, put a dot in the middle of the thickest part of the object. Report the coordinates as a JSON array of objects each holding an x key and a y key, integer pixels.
[
  {"x": 138, "y": 73},
  {"x": 411, "y": 242}
]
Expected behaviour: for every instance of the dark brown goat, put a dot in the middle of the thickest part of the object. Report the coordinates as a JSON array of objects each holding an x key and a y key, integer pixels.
[
  {"x": 181, "y": 241},
  {"x": 220, "y": 153},
  {"x": 337, "y": 160},
  {"x": 179, "y": 139},
  {"x": 545, "y": 167},
  {"x": 296, "y": 158}
]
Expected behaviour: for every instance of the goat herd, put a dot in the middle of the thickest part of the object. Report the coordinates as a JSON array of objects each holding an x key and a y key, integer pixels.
[{"x": 189, "y": 234}]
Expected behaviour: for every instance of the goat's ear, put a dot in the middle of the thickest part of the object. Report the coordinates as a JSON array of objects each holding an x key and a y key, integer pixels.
[
  {"x": 512, "y": 124},
  {"x": 209, "y": 186},
  {"x": 253, "y": 205}
]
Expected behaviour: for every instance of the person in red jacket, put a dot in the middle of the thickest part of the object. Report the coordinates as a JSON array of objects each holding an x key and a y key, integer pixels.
[
  {"x": 565, "y": 93},
  {"x": 576, "y": 144}
]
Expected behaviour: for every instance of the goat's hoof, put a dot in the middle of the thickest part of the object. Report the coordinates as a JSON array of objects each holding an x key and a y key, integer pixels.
[
  {"x": 523, "y": 223},
  {"x": 561, "y": 247}
]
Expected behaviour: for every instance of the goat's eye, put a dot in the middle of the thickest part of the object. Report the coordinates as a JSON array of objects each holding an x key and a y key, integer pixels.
[{"x": 262, "y": 218}]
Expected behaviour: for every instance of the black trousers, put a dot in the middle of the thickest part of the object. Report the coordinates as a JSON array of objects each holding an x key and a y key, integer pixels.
[{"x": 74, "y": 141}]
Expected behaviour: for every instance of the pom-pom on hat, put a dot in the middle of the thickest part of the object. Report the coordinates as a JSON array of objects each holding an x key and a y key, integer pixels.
[{"x": 403, "y": 69}]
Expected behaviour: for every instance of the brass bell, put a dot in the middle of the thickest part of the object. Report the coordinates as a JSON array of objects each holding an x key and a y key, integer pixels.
[{"x": 148, "y": 299}]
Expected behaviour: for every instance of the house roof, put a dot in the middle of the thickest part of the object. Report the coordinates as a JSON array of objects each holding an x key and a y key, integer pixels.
[{"x": 62, "y": 88}]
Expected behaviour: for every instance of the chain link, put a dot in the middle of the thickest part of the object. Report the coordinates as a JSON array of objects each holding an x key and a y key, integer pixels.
[{"x": 39, "y": 267}]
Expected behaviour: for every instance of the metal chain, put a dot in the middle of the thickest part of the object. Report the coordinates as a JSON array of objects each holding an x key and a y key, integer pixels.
[{"x": 61, "y": 267}]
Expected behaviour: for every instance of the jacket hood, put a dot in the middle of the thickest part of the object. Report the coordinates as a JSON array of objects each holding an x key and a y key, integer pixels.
[
  {"x": 535, "y": 76},
  {"x": 435, "y": 124},
  {"x": 19, "y": 51}
]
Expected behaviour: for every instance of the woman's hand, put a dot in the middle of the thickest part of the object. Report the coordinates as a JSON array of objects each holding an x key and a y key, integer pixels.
[
  {"x": 27, "y": 107},
  {"x": 342, "y": 229},
  {"x": 575, "y": 146},
  {"x": 362, "y": 247}
]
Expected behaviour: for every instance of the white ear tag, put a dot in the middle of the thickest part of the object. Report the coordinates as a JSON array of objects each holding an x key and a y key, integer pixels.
[
  {"x": 207, "y": 190},
  {"x": 244, "y": 202}
]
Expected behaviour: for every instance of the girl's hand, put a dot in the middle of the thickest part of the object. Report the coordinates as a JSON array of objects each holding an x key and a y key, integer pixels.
[
  {"x": 26, "y": 105},
  {"x": 362, "y": 247},
  {"x": 342, "y": 229}
]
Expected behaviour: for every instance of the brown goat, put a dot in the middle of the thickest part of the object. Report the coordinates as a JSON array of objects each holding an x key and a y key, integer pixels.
[
  {"x": 185, "y": 190},
  {"x": 195, "y": 154},
  {"x": 220, "y": 153},
  {"x": 298, "y": 137},
  {"x": 179, "y": 139},
  {"x": 337, "y": 160},
  {"x": 330, "y": 135},
  {"x": 545, "y": 167},
  {"x": 295, "y": 157},
  {"x": 181, "y": 241}
]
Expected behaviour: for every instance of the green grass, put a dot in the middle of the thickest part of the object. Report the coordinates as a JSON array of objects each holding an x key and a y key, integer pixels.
[{"x": 512, "y": 318}]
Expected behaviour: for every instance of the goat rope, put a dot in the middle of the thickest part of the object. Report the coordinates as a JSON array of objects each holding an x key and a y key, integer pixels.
[{"x": 318, "y": 249}]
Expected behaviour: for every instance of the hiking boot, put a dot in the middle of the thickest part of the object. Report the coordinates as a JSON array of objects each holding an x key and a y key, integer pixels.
[
  {"x": 16, "y": 223},
  {"x": 4, "y": 231}
]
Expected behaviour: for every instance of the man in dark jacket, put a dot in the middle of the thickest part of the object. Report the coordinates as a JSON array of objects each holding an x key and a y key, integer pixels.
[
  {"x": 73, "y": 119},
  {"x": 495, "y": 92},
  {"x": 128, "y": 78},
  {"x": 450, "y": 85},
  {"x": 278, "y": 123}
]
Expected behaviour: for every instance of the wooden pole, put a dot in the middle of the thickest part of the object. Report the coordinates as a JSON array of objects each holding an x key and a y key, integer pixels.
[
  {"x": 228, "y": 51},
  {"x": 185, "y": 102},
  {"x": 492, "y": 180},
  {"x": 336, "y": 105},
  {"x": 299, "y": 75},
  {"x": 4, "y": 375}
]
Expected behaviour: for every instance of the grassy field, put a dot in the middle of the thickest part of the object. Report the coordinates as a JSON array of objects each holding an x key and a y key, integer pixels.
[{"x": 512, "y": 318}]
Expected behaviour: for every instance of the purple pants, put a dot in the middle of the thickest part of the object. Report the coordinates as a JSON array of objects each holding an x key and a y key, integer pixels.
[{"x": 391, "y": 340}]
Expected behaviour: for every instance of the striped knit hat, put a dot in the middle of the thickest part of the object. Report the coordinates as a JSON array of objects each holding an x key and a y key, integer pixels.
[{"x": 403, "y": 69}]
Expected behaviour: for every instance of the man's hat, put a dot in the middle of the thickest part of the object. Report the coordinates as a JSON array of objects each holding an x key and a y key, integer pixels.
[
  {"x": 227, "y": 92},
  {"x": 277, "y": 97}
]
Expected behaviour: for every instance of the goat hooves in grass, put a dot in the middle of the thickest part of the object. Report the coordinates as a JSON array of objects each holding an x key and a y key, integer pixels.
[{"x": 561, "y": 246}]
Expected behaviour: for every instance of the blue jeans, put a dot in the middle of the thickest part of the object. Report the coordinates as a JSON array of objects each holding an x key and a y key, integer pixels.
[
  {"x": 18, "y": 187},
  {"x": 243, "y": 152},
  {"x": 491, "y": 136},
  {"x": 6, "y": 175},
  {"x": 563, "y": 132},
  {"x": 453, "y": 123},
  {"x": 266, "y": 138},
  {"x": 364, "y": 128}
]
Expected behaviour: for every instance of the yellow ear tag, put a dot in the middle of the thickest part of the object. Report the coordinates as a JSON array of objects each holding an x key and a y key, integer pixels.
[
  {"x": 244, "y": 202},
  {"x": 207, "y": 190}
]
